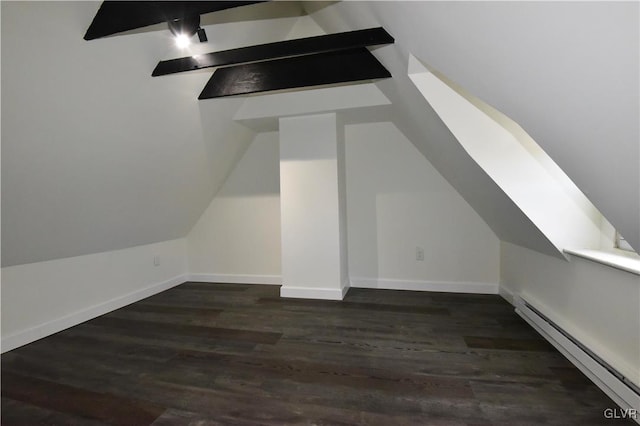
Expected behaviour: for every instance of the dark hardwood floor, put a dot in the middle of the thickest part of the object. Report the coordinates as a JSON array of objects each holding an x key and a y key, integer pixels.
[{"x": 225, "y": 354}]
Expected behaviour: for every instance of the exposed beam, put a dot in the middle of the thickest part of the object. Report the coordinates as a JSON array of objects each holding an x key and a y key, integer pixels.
[
  {"x": 303, "y": 71},
  {"x": 281, "y": 49},
  {"x": 117, "y": 16}
]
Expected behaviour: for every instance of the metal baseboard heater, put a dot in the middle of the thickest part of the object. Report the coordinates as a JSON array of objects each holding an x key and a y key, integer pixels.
[{"x": 619, "y": 388}]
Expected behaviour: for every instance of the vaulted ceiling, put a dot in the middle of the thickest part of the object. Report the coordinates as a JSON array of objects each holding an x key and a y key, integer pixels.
[
  {"x": 98, "y": 155},
  {"x": 567, "y": 72}
]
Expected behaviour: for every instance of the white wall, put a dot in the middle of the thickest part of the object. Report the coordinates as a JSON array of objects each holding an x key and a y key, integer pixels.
[
  {"x": 395, "y": 201},
  {"x": 597, "y": 304},
  {"x": 39, "y": 299},
  {"x": 238, "y": 235}
]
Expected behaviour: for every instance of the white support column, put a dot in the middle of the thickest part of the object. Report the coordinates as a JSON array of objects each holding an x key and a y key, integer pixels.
[{"x": 312, "y": 204}]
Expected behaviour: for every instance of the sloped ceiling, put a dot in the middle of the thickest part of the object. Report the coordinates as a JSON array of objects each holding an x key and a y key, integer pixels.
[
  {"x": 566, "y": 71},
  {"x": 98, "y": 155}
]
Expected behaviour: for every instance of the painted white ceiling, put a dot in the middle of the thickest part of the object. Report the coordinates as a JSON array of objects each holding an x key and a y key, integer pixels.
[
  {"x": 567, "y": 72},
  {"x": 97, "y": 155}
]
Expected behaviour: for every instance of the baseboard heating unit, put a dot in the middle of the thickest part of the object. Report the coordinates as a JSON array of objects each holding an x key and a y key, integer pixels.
[{"x": 619, "y": 388}]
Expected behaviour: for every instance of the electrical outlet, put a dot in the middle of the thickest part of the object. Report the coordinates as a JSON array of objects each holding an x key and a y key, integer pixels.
[
  {"x": 419, "y": 253},
  {"x": 156, "y": 260}
]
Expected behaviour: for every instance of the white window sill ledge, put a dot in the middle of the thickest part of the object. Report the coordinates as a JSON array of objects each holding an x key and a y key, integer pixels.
[{"x": 619, "y": 260}]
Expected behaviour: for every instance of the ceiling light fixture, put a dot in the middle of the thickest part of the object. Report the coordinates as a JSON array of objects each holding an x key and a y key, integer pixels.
[
  {"x": 185, "y": 28},
  {"x": 182, "y": 41}
]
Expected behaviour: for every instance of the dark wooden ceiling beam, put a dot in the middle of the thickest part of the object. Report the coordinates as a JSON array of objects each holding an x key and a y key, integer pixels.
[
  {"x": 117, "y": 16},
  {"x": 342, "y": 66},
  {"x": 281, "y": 49}
]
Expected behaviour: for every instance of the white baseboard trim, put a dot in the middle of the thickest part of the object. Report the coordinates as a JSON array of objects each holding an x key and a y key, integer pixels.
[
  {"x": 236, "y": 279},
  {"x": 37, "y": 332},
  {"x": 606, "y": 377},
  {"x": 313, "y": 292},
  {"x": 506, "y": 295},
  {"x": 439, "y": 286}
]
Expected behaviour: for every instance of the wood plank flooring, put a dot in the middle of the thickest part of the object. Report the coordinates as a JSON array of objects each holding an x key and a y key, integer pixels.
[{"x": 231, "y": 354}]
